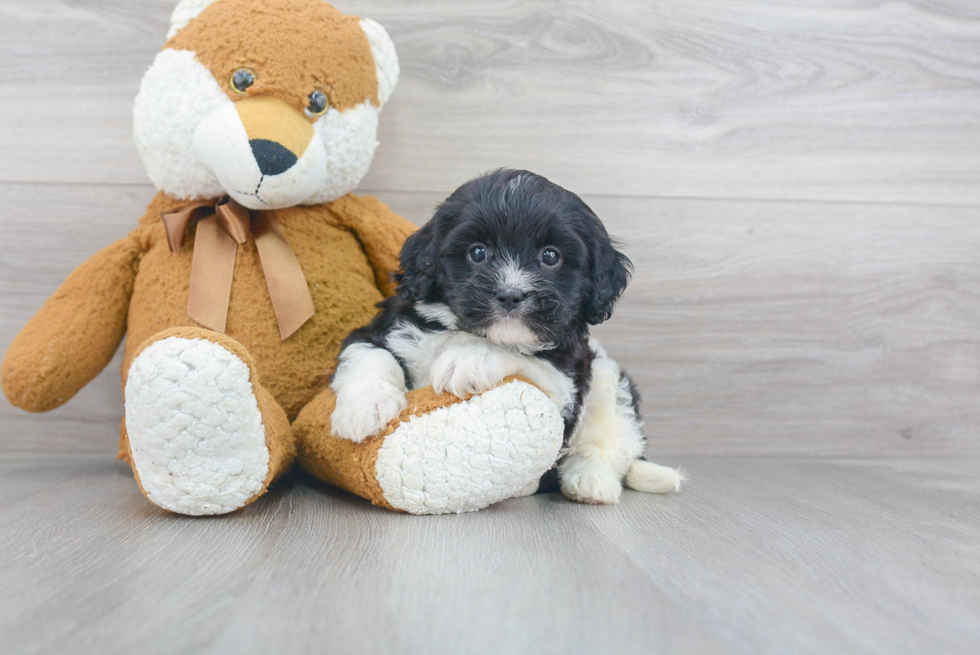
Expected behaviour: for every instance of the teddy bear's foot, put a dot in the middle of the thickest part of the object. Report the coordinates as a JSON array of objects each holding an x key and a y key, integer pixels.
[
  {"x": 199, "y": 424},
  {"x": 443, "y": 454}
]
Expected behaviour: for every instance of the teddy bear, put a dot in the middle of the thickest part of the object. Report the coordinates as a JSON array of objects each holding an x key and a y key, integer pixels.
[{"x": 252, "y": 263}]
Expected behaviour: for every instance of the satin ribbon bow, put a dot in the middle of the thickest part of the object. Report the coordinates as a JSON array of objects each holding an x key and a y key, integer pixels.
[{"x": 222, "y": 225}]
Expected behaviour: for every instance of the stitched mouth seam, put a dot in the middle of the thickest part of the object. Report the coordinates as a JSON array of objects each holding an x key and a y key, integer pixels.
[{"x": 255, "y": 194}]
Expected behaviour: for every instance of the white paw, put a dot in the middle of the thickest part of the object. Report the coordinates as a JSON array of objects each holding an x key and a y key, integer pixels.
[
  {"x": 365, "y": 408},
  {"x": 594, "y": 483},
  {"x": 468, "y": 370}
]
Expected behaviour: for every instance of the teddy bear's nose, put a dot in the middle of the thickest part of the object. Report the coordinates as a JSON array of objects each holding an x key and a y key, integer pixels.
[{"x": 272, "y": 158}]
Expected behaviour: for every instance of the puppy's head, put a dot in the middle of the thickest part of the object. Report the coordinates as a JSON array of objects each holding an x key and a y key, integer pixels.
[{"x": 516, "y": 259}]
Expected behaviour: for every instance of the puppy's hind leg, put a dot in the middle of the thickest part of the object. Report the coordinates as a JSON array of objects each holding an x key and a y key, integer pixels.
[
  {"x": 606, "y": 443},
  {"x": 607, "y": 446}
]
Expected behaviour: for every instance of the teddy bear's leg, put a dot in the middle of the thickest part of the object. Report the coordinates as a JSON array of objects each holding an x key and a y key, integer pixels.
[
  {"x": 443, "y": 454},
  {"x": 204, "y": 436}
]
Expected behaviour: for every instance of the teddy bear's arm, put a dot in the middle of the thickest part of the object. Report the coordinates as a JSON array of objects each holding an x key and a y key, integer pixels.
[
  {"x": 380, "y": 231},
  {"x": 75, "y": 333}
]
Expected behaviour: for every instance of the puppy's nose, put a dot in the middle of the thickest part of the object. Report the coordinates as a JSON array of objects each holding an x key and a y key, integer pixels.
[
  {"x": 272, "y": 158},
  {"x": 511, "y": 298}
]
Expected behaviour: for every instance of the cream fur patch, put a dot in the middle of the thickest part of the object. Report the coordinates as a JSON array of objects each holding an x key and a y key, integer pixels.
[
  {"x": 195, "y": 430},
  {"x": 512, "y": 332},
  {"x": 175, "y": 96},
  {"x": 608, "y": 430},
  {"x": 652, "y": 478},
  {"x": 608, "y": 442},
  {"x": 385, "y": 58},
  {"x": 184, "y": 13},
  {"x": 349, "y": 140},
  {"x": 470, "y": 455}
]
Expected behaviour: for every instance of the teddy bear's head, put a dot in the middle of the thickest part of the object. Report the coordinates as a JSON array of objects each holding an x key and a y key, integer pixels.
[{"x": 273, "y": 102}]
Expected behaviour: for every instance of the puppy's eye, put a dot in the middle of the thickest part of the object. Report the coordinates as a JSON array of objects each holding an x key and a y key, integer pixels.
[
  {"x": 318, "y": 103},
  {"x": 478, "y": 254},
  {"x": 242, "y": 79},
  {"x": 550, "y": 257}
]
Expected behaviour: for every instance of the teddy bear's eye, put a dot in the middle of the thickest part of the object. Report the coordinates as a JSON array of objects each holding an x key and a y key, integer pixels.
[
  {"x": 318, "y": 103},
  {"x": 242, "y": 79}
]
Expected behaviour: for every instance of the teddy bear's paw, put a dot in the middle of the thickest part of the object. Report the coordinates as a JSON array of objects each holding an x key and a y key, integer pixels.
[
  {"x": 195, "y": 430},
  {"x": 365, "y": 408},
  {"x": 467, "y": 370},
  {"x": 593, "y": 483},
  {"x": 529, "y": 490},
  {"x": 469, "y": 454}
]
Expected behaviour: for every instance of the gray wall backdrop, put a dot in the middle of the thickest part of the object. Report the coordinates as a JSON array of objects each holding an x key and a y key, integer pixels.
[{"x": 796, "y": 181}]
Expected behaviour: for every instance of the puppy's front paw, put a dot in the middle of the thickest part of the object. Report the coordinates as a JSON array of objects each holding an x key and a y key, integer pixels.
[
  {"x": 467, "y": 370},
  {"x": 365, "y": 408},
  {"x": 594, "y": 483}
]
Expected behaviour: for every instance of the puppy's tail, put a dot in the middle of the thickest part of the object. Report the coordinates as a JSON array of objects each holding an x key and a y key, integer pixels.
[{"x": 652, "y": 478}]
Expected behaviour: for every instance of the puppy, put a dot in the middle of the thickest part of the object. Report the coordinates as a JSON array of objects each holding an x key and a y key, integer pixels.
[{"x": 505, "y": 280}]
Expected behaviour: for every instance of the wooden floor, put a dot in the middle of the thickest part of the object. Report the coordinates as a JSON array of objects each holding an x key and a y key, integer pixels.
[
  {"x": 755, "y": 556},
  {"x": 798, "y": 184}
]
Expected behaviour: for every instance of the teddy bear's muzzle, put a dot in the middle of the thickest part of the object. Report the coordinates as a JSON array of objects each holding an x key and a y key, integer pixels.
[{"x": 264, "y": 153}]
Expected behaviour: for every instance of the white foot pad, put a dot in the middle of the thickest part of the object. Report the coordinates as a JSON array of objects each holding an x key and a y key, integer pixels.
[
  {"x": 593, "y": 483},
  {"x": 194, "y": 427},
  {"x": 472, "y": 454}
]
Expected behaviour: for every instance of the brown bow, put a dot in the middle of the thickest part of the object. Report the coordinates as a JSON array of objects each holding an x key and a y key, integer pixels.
[{"x": 222, "y": 224}]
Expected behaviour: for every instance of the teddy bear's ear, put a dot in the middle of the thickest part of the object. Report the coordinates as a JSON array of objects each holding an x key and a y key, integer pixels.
[
  {"x": 184, "y": 13},
  {"x": 385, "y": 58}
]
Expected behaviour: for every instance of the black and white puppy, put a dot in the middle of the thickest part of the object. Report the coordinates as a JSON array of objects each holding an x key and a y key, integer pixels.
[{"x": 505, "y": 280}]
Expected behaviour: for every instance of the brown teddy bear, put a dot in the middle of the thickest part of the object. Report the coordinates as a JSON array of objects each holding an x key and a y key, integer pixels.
[{"x": 250, "y": 266}]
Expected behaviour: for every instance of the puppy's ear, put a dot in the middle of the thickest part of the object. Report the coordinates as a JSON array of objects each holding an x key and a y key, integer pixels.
[
  {"x": 611, "y": 271},
  {"x": 417, "y": 277}
]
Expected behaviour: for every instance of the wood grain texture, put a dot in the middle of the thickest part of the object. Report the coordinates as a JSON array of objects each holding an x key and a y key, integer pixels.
[
  {"x": 790, "y": 99},
  {"x": 753, "y": 556},
  {"x": 752, "y": 328}
]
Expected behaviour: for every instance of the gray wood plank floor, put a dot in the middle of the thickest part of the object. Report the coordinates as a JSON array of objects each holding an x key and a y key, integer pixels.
[{"x": 754, "y": 556}]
